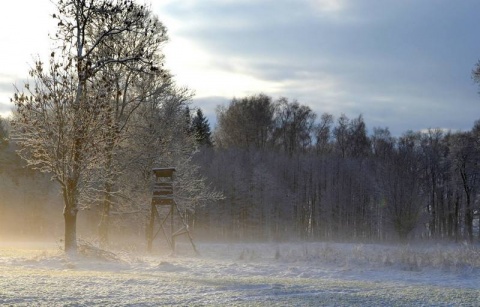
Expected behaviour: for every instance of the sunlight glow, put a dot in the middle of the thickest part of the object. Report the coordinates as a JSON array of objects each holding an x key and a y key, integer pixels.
[
  {"x": 195, "y": 68},
  {"x": 328, "y": 5},
  {"x": 25, "y": 27}
]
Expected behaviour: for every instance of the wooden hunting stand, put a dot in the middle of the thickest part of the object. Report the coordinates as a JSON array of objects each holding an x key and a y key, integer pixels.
[{"x": 163, "y": 209}]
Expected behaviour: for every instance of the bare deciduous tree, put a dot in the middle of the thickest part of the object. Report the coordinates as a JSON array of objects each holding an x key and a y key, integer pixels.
[{"x": 61, "y": 118}]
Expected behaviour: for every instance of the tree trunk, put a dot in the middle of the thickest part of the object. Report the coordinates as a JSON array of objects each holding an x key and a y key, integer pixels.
[
  {"x": 150, "y": 226},
  {"x": 468, "y": 205},
  {"x": 104, "y": 224},
  {"x": 456, "y": 217},
  {"x": 104, "y": 221},
  {"x": 469, "y": 219},
  {"x": 70, "y": 217}
]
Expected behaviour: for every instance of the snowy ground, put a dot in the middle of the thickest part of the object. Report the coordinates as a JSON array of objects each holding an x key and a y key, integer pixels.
[{"x": 294, "y": 274}]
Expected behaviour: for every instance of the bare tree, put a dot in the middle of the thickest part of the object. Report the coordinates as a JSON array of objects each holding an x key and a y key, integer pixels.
[
  {"x": 247, "y": 122},
  {"x": 323, "y": 134},
  {"x": 341, "y": 135},
  {"x": 382, "y": 143},
  {"x": 62, "y": 117},
  {"x": 358, "y": 141},
  {"x": 465, "y": 157},
  {"x": 400, "y": 183},
  {"x": 294, "y": 126},
  {"x": 129, "y": 86}
]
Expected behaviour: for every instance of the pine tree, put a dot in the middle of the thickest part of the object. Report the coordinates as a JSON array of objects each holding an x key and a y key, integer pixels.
[
  {"x": 188, "y": 121},
  {"x": 201, "y": 128}
]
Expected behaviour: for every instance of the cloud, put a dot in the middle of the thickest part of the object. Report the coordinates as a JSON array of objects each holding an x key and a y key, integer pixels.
[
  {"x": 403, "y": 64},
  {"x": 6, "y": 87},
  {"x": 6, "y": 92},
  {"x": 328, "y": 5},
  {"x": 5, "y": 109}
]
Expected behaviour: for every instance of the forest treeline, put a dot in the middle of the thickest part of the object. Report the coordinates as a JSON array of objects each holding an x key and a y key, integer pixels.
[
  {"x": 272, "y": 170},
  {"x": 286, "y": 175}
]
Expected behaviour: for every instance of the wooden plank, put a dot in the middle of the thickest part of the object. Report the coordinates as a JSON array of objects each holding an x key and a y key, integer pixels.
[
  {"x": 162, "y": 195},
  {"x": 163, "y": 188},
  {"x": 162, "y": 201},
  {"x": 163, "y": 185}
]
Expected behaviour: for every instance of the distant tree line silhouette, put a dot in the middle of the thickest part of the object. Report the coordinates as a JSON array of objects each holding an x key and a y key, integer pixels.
[{"x": 286, "y": 176}]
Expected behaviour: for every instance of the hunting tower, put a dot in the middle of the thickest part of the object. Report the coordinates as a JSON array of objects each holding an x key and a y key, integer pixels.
[{"x": 163, "y": 211}]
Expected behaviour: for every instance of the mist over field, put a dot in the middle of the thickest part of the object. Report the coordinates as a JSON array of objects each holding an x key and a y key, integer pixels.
[
  {"x": 34, "y": 270},
  {"x": 300, "y": 274}
]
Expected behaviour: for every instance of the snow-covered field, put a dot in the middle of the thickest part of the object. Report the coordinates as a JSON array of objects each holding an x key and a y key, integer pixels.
[{"x": 293, "y": 274}]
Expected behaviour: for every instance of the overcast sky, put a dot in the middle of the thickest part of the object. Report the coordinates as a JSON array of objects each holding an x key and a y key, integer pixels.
[{"x": 402, "y": 64}]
